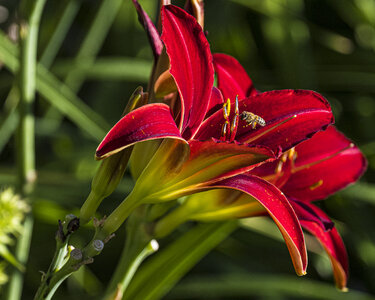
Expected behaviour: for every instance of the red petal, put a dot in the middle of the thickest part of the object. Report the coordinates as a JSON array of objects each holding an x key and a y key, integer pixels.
[
  {"x": 191, "y": 65},
  {"x": 214, "y": 160},
  {"x": 306, "y": 212},
  {"x": 334, "y": 246},
  {"x": 278, "y": 208},
  {"x": 232, "y": 78},
  {"x": 278, "y": 171},
  {"x": 216, "y": 101},
  {"x": 152, "y": 32},
  {"x": 291, "y": 116},
  {"x": 149, "y": 122},
  {"x": 325, "y": 164}
]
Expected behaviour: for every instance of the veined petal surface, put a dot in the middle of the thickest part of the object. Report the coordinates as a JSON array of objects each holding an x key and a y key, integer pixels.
[
  {"x": 280, "y": 210},
  {"x": 291, "y": 116},
  {"x": 232, "y": 79},
  {"x": 190, "y": 65},
  {"x": 149, "y": 122},
  {"x": 208, "y": 162},
  {"x": 325, "y": 164}
]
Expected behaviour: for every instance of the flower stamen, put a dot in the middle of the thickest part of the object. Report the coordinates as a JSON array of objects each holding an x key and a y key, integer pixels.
[
  {"x": 234, "y": 124},
  {"x": 226, "y": 125},
  {"x": 250, "y": 118}
]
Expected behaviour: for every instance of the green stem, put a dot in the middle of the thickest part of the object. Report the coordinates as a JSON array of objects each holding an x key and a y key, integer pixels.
[
  {"x": 56, "y": 276},
  {"x": 29, "y": 28},
  {"x": 171, "y": 221},
  {"x": 120, "y": 214},
  {"x": 89, "y": 207},
  {"x": 138, "y": 246},
  {"x": 149, "y": 249},
  {"x": 163, "y": 270},
  {"x": 22, "y": 254},
  {"x": 52, "y": 281}
]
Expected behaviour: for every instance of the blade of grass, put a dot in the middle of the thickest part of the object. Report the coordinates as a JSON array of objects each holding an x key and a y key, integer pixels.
[
  {"x": 9, "y": 53},
  {"x": 28, "y": 32},
  {"x": 10, "y": 258},
  {"x": 90, "y": 47},
  {"x": 9, "y": 123},
  {"x": 7, "y": 128},
  {"x": 114, "y": 68},
  {"x": 55, "y": 42},
  {"x": 164, "y": 269},
  {"x": 246, "y": 286},
  {"x": 57, "y": 93},
  {"x": 64, "y": 99},
  {"x": 94, "y": 39}
]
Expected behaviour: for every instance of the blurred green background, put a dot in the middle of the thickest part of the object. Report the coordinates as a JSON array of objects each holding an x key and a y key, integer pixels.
[{"x": 96, "y": 54}]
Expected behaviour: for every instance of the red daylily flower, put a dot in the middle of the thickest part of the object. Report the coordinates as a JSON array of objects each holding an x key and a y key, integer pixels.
[
  {"x": 318, "y": 168},
  {"x": 312, "y": 171},
  {"x": 325, "y": 164},
  {"x": 197, "y": 153}
]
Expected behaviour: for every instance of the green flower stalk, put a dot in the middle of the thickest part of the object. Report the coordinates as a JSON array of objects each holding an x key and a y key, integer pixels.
[{"x": 105, "y": 181}]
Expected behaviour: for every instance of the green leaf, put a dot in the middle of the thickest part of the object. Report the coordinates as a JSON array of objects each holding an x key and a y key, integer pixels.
[
  {"x": 114, "y": 68},
  {"x": 10, "y": 258},
  {"x": 60, "y": 96},
  {"x": 361, "y": 191},
  {"x": 57, "y": 93},
  {"x": 164, "y": 269},
  {"x": 247, "y": 286}
]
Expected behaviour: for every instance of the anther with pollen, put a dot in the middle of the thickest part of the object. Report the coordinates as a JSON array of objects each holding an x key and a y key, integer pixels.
[
  {"x": 226, "y": 125},
  {"x": 229, "y": 129}
]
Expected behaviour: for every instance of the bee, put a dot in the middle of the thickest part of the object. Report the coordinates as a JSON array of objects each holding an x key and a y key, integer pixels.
[{"x": 252, "y": 119}]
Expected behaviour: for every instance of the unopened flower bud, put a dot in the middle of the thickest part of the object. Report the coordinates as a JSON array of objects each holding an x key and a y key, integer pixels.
[{"x": 112, "y": 169}]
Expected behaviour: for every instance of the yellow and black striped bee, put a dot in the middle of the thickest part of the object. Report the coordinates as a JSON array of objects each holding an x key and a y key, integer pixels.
[{"x": 252, "y": 119}]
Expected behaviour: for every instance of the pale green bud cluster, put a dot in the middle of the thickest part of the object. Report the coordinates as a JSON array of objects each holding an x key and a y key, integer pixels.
[{"x": 12, "y": 213}]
